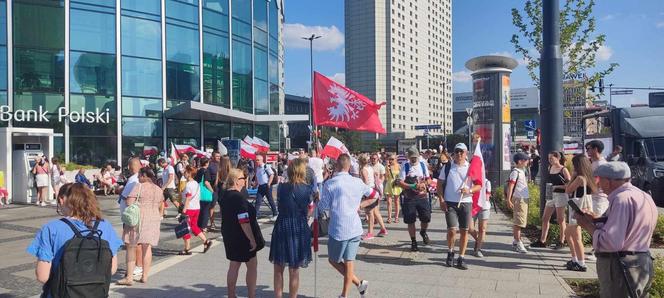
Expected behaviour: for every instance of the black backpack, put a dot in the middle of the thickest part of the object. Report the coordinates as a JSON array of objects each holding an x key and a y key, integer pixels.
[{"x": 85, "y": 266}]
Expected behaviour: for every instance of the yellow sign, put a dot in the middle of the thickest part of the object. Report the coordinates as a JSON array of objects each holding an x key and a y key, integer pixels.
[{"x": 506, "y": 99}]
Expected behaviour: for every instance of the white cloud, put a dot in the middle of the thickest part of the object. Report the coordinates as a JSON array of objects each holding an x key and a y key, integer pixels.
[
  {"x": 331, "y": 38},
  {"x": 609, "y": 17},
  {"x": 521, "y": 60},
  {"x": 461, "y": 76},
  {"x": 339, "y": 78},
  {"x": 660, "y": 25},
  {"x": 503, "y": 53},
  {"x": 604, "y": 53}
]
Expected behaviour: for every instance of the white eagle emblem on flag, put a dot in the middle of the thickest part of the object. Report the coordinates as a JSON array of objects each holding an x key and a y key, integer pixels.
[{"x": 346, "y": 107}]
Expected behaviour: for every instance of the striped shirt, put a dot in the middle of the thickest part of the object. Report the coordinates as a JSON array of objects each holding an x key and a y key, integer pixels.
[{"x": 342, "y": 195}]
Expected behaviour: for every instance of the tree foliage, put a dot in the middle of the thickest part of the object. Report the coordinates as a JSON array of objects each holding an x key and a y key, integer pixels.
[{"x": 578, "y": 42}]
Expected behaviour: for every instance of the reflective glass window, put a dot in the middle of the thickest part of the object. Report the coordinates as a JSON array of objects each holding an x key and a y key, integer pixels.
[
  {"x": 3, "y": 99},
  {"x": 141, "y": 107},
  {"x": 109, "y": 3},
  {"x": 274, "y": 99},
  {"x": 133, "y": 146},
  {"x": 95, "y": 151},
  {"x": 141, "y": 77},
  {"x": 242, "y": 77},
  {"x": 92, "y": 73},
  {"x": 260, "y": 14},
  {"x": 241, "y": 29},
  {"x": 182, "y": 81},
  {"x": 187, "y": 132},
  {"x": 220, "y": 6},
  {"x": 92, "y": 31},
  {"x": 182, "y": 44},
  {"x": 142, "y": 127},
  {"x": 90, "y": 103},
  {"x": 274, "y": 18},
  {"x": 39, "y": 70},
  {"x": 262, "y": 132},
  {"x": 216, "y": 69},
  {"x": 260, "y": 37},
  {"x": 273, "y": 65},
  {"x": 141, "y": 38},
  {"x": 242, "y": 10},
  {"x": 213, "y": 131},
  {"x": 240, "y": 130},
  {"x": 214, "y": 19},
  {"x": 3, "y": 22},
  {"x": 39, "y": 24},
  {"x": 261, "y": 97},
  {"x": 147, "y": 6},
  {"x": 260, "y": 63},
  {"x": 182, "y": 10},
  {"x": 3, "y": 68}
]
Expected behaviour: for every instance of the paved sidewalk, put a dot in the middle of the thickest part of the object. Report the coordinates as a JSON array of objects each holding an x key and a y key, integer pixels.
[{"x": 393, "y": 271}]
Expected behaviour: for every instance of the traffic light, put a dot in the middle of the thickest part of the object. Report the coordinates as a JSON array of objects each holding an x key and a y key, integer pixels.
[{"x": 601, "y": 85}]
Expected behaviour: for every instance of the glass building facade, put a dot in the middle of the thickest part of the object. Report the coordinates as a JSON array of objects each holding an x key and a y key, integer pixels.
[{"x": 180, "y": 71}]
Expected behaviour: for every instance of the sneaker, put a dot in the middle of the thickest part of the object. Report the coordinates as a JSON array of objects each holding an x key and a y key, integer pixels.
[
  {"x": 273, "y": 218},
  {"x": 520, "y": 248},
  {"x": 138, "y": 271},
  {"x": 538, "y": 244},
  {"x": 42, "y": 204},
  {"x": 383, "y": 232},
  {"x": 578, "y": 267},
  {"x": 460, "y": 264},
  {"x": 177, "y": 217},
  {"x": 479, "y": 254},
  {"x": 591, "y": 256},
  {"x": 362, "y": 288},
  {"x": 570, "y": 264},
  {"x": 368, "y": 236},
  {"x": 449, "y": 262},
  {"x": 425, "y": 237},
  {"x": 413, "y": 246}
]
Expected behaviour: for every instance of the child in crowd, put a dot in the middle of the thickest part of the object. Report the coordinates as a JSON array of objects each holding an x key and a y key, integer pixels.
[{"x": 517, "y": 192}]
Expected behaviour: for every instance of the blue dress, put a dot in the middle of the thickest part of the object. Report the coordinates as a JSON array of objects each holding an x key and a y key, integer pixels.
[{"x": 291, "y": 237}]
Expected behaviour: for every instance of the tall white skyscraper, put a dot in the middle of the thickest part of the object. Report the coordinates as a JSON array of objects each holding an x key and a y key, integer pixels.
[{"x": 400, "y": 52}]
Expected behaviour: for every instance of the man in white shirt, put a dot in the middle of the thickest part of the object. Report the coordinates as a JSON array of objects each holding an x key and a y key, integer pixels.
[
  {"x": 343, "y": 195},
  {"x": 264, "y": 177},
  {"x": 317, "y": 164},
  {"x": 168, "y": 184},
  {"x": 455, "y": 191},
  {"x": 414, "y": 178}
]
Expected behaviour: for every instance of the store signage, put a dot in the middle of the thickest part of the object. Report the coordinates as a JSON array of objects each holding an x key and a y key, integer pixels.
[{"x": 40, "y": 115}]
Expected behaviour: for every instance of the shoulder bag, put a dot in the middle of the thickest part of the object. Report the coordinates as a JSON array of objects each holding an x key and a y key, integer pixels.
[{"x": 132, "y": 214}]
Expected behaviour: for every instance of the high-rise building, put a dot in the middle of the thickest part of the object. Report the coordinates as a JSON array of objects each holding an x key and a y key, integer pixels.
[
  {"x": 160, "y": 71},
  {"x": 400, "y": 52}
]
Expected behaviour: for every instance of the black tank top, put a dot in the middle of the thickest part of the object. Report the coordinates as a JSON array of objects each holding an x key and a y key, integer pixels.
[{"x": 557, "y": 179}]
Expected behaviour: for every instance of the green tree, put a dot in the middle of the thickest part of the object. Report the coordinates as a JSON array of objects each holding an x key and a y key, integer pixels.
[{"x": 578, "y": 42}]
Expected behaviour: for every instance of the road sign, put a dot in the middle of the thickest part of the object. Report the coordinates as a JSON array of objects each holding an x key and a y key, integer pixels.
[
  {"x": 427, "y": 126},
  {"x": 530, "y": 124},
  {"x": 531, "y": 134},
  {"x": 622, "y": 92}
]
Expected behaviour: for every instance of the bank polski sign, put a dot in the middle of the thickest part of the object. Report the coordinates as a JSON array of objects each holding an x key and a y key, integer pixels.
[{"x": 39, "y": 115}]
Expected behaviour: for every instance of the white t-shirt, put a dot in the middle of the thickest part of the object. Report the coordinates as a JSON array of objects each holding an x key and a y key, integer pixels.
[
  {"x": 379, "y": 170},
  {"x": 316, "y": 164},
  {"x": 193, "y": 190},
  {"x": 487, "y": 203},
  {"x": 164, "y": 176},
  {"x": 371, "y": 179},
  {"x": 521, "y": 189},
  {"x": 455, "y": 180},
  {"x": 414, "y": 170},
  {"x": 600, "y": 195}
]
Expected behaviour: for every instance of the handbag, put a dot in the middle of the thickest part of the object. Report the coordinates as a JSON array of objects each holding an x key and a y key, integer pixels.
[
  {"x": 183, "y": 227},
  {"x": 323, "y": 223},
  {"x": 132, "y": 214},
  {"x": 206, "y": 194},
  {"x": 256, "y": 231}
]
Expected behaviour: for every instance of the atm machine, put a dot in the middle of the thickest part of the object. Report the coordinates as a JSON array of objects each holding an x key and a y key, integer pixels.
[{"x": 23, "y": 160}]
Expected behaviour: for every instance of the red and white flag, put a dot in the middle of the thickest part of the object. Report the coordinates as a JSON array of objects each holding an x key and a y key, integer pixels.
[
  {"x": 337, "y": 106},
  {"x": 249, "y": 140},
  {"x": 174, "y": 154},
  {"x": 333, "y": 148},
  {"x": 477, "y": 175},
  {"x": 150, "y": 150},
  {"x": 247, "y": 151},
  {"x": 185, "y": 149},
  {"x": 261, "y": 145},
  {"x": 201, "y": 154}
]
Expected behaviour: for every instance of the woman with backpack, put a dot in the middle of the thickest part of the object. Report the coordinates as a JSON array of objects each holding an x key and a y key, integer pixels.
[
  {"x": 149, "y": 198},
  {"x": 204, "y": 179},
  {"x": 291, "y": 237},
  {"x": 581, "y": 187},
  {"x": 241, "y": 240},
  {"x": 55, "y": 243},
  {"x": 191, "y": 209}
]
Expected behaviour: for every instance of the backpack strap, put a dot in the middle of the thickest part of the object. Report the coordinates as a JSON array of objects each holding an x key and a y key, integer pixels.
[
  {"x": 73, "y": 228},
  {"x": 424, "y": 168},
  {"x": 515, "y": 183}
]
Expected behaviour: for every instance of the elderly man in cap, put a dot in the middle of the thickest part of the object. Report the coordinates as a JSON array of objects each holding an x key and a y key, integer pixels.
[
  {"x": 414, "y": 178},
  {"x": 621, "y": 239}
]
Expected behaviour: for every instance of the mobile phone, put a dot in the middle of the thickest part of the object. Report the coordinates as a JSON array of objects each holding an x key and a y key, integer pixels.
[
  {"x": 600, "y": 220},
  {"x": 574, "y": 206}
]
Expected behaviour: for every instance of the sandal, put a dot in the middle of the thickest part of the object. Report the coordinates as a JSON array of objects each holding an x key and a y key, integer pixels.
[
  {"x": 143, "y": 280},
  {"x": 185, "y": 252},
  {"x": 125, "y": 282},
  {"x": 207, "y": 245},
  {"x": 389, "y": 220}
]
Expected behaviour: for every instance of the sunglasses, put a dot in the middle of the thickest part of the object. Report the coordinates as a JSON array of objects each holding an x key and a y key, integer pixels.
[{"x": 459, "y": 151}]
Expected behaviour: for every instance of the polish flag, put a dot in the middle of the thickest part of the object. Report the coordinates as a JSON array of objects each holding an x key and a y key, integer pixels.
[
  {"x": 150, "y": 150},
  {"x": 247, "y": 151},
  {"x": 185, "y": 149},
  {"x": 249, "y": 140},
  {"x": 261, "y": 145},
  {"x": 201, "y": 154},
  {"x": 334, "y": 148},
  {"x": 477, "y": 175},
  {"x": 174, "y": 154},
  {"x": 221, "y": 148}
]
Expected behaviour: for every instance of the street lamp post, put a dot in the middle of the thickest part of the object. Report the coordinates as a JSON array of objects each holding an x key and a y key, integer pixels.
[
  {"x": 312, "y": 129},
  {"x": 469, "y": 121}
]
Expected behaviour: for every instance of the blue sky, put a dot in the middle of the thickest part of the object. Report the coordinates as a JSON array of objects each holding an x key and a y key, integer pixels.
[{"x": 635, "y": 40}]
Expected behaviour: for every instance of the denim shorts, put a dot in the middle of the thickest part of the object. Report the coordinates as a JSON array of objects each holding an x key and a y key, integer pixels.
[
  {"x": 341, "y": 251},
  {"x": 484, "y": 214}
]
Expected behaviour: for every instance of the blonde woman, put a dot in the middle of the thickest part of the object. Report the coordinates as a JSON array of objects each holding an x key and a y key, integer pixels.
[
  {"x": 392, "y": 189},
  {"x": 237, "y": 217},
  {"x": 373, "y": 214},
  {"x": 291, "y": 237}
]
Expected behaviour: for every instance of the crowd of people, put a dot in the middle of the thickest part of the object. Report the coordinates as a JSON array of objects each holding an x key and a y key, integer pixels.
[{"x": 349, "y": 191}]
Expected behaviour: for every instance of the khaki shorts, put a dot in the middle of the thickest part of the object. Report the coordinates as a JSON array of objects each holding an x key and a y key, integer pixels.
[
  {"x": 520, "y": 212},
  {"x": 559, "y": 200}
]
